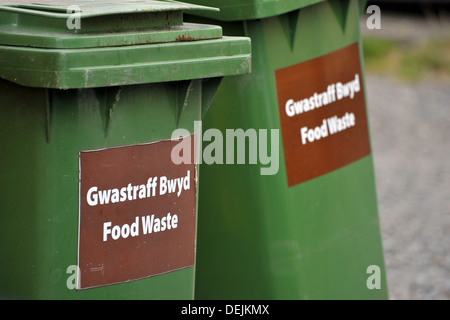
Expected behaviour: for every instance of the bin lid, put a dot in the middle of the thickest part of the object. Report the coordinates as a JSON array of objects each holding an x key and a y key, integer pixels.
[
  {"x": 233, "y": 10},
  {"x": 89, "y": 23},
  {"x": 86, "y": 43}
]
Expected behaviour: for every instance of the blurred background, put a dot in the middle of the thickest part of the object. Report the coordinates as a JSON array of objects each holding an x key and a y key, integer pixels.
[{"x": 407, "y": 63}]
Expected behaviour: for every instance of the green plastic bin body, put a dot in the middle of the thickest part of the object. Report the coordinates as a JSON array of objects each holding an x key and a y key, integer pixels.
[
  {"x": 258, "y": 237},
  {"x": 131, "y": 74}
]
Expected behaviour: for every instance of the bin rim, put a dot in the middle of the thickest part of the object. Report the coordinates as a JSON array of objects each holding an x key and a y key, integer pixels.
[{"x": 125, "y": 65}]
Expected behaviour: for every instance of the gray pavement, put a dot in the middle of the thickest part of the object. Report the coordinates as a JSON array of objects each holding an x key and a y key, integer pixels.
[{"x": 410, "y": 134}]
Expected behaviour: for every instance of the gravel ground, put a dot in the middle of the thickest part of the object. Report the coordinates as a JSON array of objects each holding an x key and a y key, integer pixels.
[
  {"x": 410, "y": 128},
  {"x": 410, "y": 134}
]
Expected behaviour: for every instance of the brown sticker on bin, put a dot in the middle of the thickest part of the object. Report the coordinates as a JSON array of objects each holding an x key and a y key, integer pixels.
[
  {"x": 323, "y": 114},
  {"x": 137, "y": 214}
]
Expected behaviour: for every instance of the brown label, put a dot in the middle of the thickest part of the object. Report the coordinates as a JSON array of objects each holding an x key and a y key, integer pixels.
[
  {"x": 137, "y": 214},
  {"x": 323, "y": 114}
]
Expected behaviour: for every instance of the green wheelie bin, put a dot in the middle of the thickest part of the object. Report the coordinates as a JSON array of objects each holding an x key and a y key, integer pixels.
[
  {"x": 93, "y": 204},
  {"x": 295, "y": 216}
]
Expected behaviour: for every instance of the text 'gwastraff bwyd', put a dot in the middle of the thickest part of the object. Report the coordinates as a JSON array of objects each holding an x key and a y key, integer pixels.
[{"x": 131, "y": 192}]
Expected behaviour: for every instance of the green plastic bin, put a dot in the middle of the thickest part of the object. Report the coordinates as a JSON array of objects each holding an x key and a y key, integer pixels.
[
  {"x": 311, "y": 229},
  {"x": 90, "y": 94}
]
